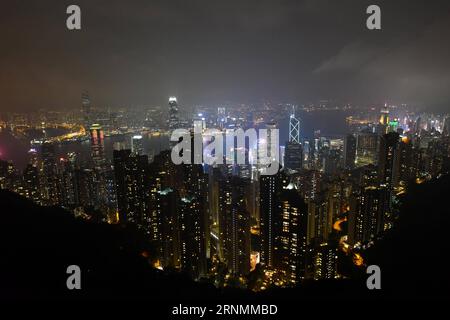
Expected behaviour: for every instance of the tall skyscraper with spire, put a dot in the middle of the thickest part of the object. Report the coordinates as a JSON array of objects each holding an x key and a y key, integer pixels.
[
  {"x": 86, "y": 109},
  {"x": 293, "y": 157},
  {"x": 294, "y": 127},
  {"x": 174, "y": 121},
  {"x": 97, "y": 147}
]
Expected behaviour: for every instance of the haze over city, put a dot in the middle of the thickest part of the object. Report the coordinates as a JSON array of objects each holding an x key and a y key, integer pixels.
[{"x": 213, "y": 52}]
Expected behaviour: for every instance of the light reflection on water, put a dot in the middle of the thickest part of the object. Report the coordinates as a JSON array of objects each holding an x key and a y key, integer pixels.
[
  {"x": 329, "y": 122},
  {"x": 16, "y": 150}
]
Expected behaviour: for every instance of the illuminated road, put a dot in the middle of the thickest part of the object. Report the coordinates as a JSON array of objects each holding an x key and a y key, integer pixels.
[
  {"x": 345, "y": 247},
  {"x": 79, "y": 132},
  {"x": 337, "y": 224}
]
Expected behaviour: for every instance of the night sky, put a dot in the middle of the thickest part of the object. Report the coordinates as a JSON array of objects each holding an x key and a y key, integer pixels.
[{"x": 132, "y": 53}]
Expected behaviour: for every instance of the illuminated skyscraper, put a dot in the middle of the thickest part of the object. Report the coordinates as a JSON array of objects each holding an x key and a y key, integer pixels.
[
  {"x": 174, "y": 121},
  {"x": 266, "y": 146},
  {"x": 369, "y": 214},
  {"x": 221, "y": 117},
  {"x": 403, "y": 163},
  {"x": 157, "y": 174},
  {"x": 100, "y": 165},
  {"x": 86, "y": 109},
  {"x": 384, "y": 116},
  {"x": 387, "y": 165},
  {"x": 319, "y": 219},
  {"x": 137, "y": 145},
  {"x": 86, "y": 193},
  {"x": 349, "y": 151},
  {"x": 33, "y": 157},
  {"x": 50, "y": 177},
  {"x": 294, "y": 128},
  {"x": 383, "y": 125},
  {"x": 270, "y": 188},
  {"x": 192, "y": 236},
  {"x": 293, "y": 157},
  {"x": 325, "y": 260},
  {"x": 331, "y": 160},
  {"x": 418, "y": 125},
  {"x": 393, "y": 125},
  {"x": 169, "y": 214},
  {"x": 268, "y": 192},
  {"x": 67, "y": 190},
  {"x": 366, "y": 148},
  {"x": 111, "y": 195},
  {"x": 234, "y": 225},
  {"x": 31, "y": 183},
  {"x": 290, "y": 238},
  {"x": 85, "y": 103},
  {"x": 98, "y": 147},
  {"x": 131, "y": 176}
]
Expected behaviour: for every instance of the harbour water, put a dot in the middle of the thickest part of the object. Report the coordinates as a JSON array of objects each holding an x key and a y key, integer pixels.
[
  {"x": 16, "y": 150},
  {"x": 330, "y": 123}
]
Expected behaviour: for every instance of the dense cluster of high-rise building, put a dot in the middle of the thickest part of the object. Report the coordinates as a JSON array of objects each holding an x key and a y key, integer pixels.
[{"x": 224, "y": 222}]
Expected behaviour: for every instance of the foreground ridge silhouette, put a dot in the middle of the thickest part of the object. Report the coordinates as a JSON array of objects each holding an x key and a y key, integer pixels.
[{"x": 37, "y": 244}]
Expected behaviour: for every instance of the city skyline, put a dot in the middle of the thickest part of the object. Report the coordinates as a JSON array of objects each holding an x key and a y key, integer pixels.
[
  {"x": 287, "y": 224},
  {"x": 256, "y": 151}
]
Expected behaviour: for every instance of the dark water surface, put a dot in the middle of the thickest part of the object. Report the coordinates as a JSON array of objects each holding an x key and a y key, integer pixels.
[{"x": 330, "y": 123}]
